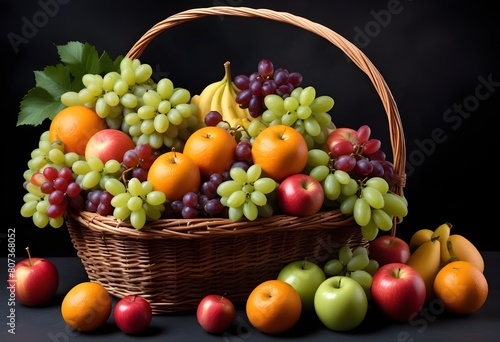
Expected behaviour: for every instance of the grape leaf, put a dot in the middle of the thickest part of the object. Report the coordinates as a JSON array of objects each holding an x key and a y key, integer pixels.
[
  {"x": 77, "y": 59},
  {"x": 37, "y": 105}
]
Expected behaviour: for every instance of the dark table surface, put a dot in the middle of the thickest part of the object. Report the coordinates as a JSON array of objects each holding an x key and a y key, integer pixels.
[{"x": 432, "y": 324}]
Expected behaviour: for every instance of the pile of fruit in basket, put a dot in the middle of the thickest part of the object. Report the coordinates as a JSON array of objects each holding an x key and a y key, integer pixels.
[{"x": 256, "y": 145}]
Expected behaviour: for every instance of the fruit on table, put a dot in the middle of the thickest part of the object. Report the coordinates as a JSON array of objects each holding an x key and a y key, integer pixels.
[
  {"x": 305, "y": 277},
  {"x": 419, "y": 237},
  {"x": 273, "y": 307},
  {"x": 86, "y": 306},
  {"x": 461, "y": 287},
  {"x": 35, "y": 280},
  {"x": 132, "y": 314},
  {"x": 220, "y": 96},
  {"x": 340, "y": 303},
  {"x": 460, "y": 248},
  {"x": 426, "y": 260},
  {"x": 215, "y": 313},
  {"x": 398, "y": 290},
  {"x": 388, "y": 249}
]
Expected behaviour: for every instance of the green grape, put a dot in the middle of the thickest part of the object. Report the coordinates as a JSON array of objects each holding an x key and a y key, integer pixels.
[
  {"x": 236, "y": 199},
  {"x": 112, "y": 99},
  {"x": 56, "y": 222},
  {"x": 40, "y": 219},
  {"x": 289, "y": 119},
  {"x": 258, "y": 198},
  {"x": 303, "y": 112},
  {"x": 120, "y": 200},
  {"x": 121, "y": 213},
  {"x": 320, "y": 172},
  {"x": 395, "y": 205},
  {"x": 95, "y": 163},
  {"x": 265, "y": 210},
  {"x": 109, "y": 80},
  {"x": 253, "y": 173},
  {"x": 333, "y": 267},
  {"x": 129, "y": 100},
  {"x": 70, "y": 98},
  {"x": 350, "y": 188},
  {"x": 28, "y": 208},
  {"x": 102, "y": 108},
  {"x": 296, "y": 93},
  {"x": 175, "y": 117},
  {"x": 275, "y": 103},
  {"x": 155, "y": 198},
  {"x": 268, "y": 116},
  {"x": 378, "y": 183},
  {"x": 345, "y": 254},
  {"x": 143, "y": 72},
  {"x": 347, "y": 205},
  {"x": 322, "y": 104},
  {"x": 290, "y": 104},
  {"x": 138, "y": 218},
  {"x": 238, "y": 174},
  {"x": 90, "y": 179},
  {"x": 361, "y": 212},
  {"x": 307, "y": 96},
  {"x": 360, "y": 250},
  {"x": 316, "y": 157},
  {"x": 382, "y": 219},
  {"x": 255, "y": 127},
  {"x": 235, "y": 214},
  {"x": 134, "y": 187},
  {"x": 373, "y": 197},
  {"x": 179, "y": 95},
  {"x": 312, "y": 127},
  {"x": 153, "y": 212},
  {"x": 372, "y": 266},
  {"x": 250, "y": 210},
  {"x": 265, "y": 185},
  {"x": 146, "y": 112},
  {"x": 364, "y": 279},
  {"x": 112, "y": 166},
  {"x": 343, "y": 177},
  {"x": 151, "y": 98},
  {"x": 324, "y": 120},
  {"x": 369, "y": 231},
  {"x": 332, "y": 187},
  {"x": 134, "y": 203},
  {"x": 56, "y": 156},
  {"x": 114, "y": 186},
  {"x": 165, "y": 88},
  {"x": 357, "y": 262}
]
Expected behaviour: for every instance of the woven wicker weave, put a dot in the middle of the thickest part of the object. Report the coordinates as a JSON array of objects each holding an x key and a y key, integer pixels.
[{"x": 175, "y": 262}]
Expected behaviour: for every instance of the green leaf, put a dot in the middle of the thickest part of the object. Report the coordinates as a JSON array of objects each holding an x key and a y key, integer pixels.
[
  {"x": 36, "y": 106},
  {"x": 55, "y": 79}
]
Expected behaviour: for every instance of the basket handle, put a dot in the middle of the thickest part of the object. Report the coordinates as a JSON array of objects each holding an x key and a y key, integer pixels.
[{"x": 351, "y": 50}]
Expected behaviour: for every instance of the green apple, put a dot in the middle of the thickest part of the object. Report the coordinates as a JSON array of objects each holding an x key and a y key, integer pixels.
[
  {"x": 340, "y": 303},
  {"x": 305, "y": 277}
]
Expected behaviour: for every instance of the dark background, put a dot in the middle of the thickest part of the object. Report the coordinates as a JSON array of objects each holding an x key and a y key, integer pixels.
[{"x": 435, "y": 56}]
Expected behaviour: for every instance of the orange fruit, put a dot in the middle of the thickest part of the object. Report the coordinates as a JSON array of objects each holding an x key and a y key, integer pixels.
[
  {"x": 281, "y": 151},
  {"x": 273, "y": 306},
  {"x": 461, "y": 286},
  {"x": 175, "y": 174},
  {"x": 86, "y": 307},
  {"x": 73, "y": 126},
  {"x": 212, "y": 149}
]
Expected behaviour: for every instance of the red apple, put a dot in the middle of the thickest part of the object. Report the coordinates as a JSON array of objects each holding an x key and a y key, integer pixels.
[
  {"x": 109, "y": 144},
  {"x": 215, "y": 313},
  {"x": 342, "y": 136},
  {"x": 300, "y": 195},
  {"x": 387, "y": 249},
  {"x": 35, "y": 281},
  {"x": 398, "y": 290},
  {"x": 133, "y": 314}
]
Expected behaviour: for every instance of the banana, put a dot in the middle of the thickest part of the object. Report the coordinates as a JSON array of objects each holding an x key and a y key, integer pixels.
[
  {"x": 460, "y": 248},
  {"x": 221, "y": 96},
  {"x": 426, "y": 260},
  {"x": 442, "y": 233},
  {"x": 419, "y": 237}
]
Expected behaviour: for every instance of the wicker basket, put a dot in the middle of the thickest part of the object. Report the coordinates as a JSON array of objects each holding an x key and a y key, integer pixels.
[{"x": 176, "y": 262}]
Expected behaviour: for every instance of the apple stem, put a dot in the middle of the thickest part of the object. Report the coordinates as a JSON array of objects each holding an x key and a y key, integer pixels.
[
  {"x": 29, "y": 255},
  {"x": 304, "y": 263}
]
